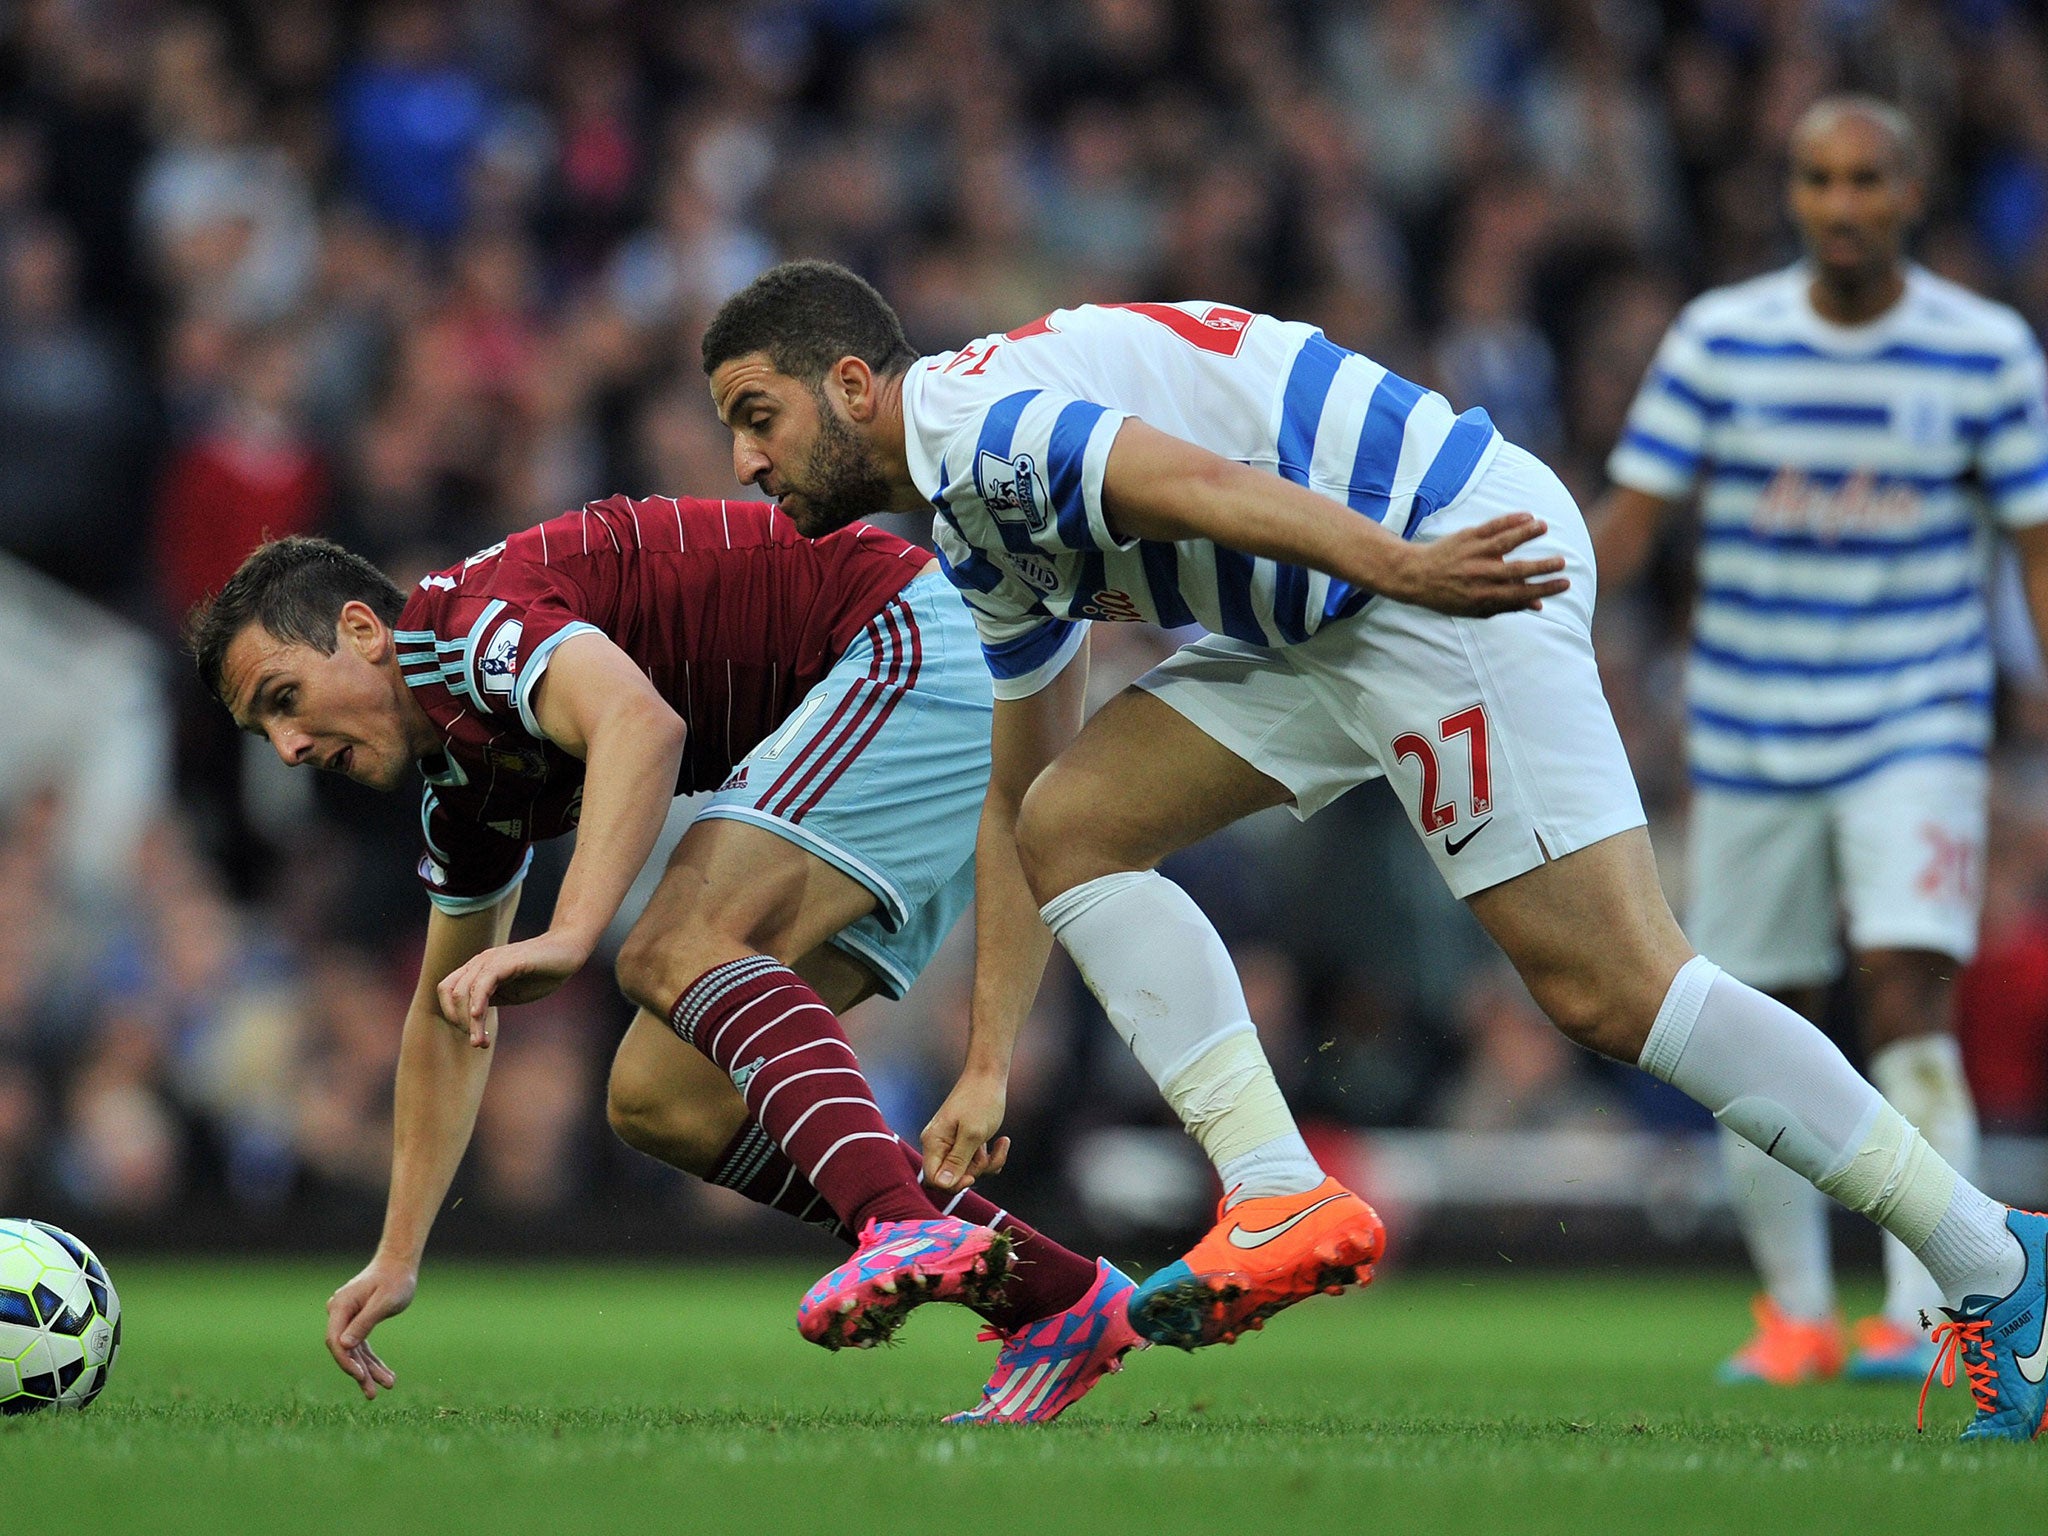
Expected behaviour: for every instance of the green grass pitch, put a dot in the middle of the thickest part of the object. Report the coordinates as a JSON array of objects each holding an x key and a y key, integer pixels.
[{"x": 562, "y": 1400}]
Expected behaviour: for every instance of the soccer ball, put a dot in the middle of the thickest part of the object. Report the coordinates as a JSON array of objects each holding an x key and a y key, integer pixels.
[{"x": 60, "y": 1321}]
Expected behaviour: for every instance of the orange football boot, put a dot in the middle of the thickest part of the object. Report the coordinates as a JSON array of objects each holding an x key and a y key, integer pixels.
[
  {"x": 1787, "y": 1351},
  {"x": 1263, "y": 1255}
]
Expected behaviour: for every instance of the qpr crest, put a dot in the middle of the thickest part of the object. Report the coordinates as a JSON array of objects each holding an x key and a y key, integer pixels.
[{"x": 1011, "y": 489}]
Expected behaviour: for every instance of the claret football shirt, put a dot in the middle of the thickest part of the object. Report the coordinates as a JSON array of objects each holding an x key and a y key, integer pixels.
[{"x": 732, "y": 614}]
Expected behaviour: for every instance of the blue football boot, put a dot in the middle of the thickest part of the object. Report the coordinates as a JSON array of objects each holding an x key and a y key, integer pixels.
[{"x": 2003, "y": 1345}]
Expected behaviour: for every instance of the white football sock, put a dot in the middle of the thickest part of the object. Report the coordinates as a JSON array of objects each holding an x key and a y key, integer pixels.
[
  {"x": 1771, "y": 1077},
  {"x": 1163, "y": 976},
  {"x": 1784, "y": 1223},
  {"x": 1922, "y": 1078}
]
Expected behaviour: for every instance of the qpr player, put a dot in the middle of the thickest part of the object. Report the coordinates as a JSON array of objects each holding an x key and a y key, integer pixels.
[
  {"x": 1859, "y": 432},
  {"x": 826, "y": 696},
  {"x": 1342, "y": 535}
]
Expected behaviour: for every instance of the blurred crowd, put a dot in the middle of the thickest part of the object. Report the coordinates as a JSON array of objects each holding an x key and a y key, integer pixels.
[{"x": 418, "y": 272}]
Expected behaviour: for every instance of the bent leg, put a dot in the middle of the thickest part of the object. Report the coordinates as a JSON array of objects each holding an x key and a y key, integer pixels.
[
  {"x": 1574, "y": 927},
  {"x": 741, "y": 888},
  {"x": 1139, "y": 782},
  {"x": 666, "y": 1099},
  {"x": 710, "y": 953}
]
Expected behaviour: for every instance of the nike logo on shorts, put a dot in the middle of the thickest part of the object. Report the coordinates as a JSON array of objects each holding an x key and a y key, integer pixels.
[
  {"x": 1456, "y": 845},
  {"x": 1243, "y": 1237}
]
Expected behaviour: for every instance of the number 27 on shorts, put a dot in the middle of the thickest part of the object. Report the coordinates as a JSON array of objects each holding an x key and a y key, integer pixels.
[{"x": 1469, "y": 726}]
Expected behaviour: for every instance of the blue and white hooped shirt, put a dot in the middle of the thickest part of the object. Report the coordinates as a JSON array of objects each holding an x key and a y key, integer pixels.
[
  {"x": 1854, "y": 481},
  {"x": 1008, "y": 438}
]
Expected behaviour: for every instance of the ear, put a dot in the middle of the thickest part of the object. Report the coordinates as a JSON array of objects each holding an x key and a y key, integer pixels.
[
  {"x": 360, "y": 627},
  {"x": 854, "y": 383}
]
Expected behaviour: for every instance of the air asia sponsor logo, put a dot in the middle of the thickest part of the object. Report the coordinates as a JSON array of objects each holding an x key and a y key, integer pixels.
[
  {"x": 1118, "y": 607},
  {"x": 500, "y": 659},
  {"x": 1792, "y": 503},
  {"x": 738, "y": 779},
  {"x": 1036, "y": 571},
  {"x": 1012, "y": 490}
]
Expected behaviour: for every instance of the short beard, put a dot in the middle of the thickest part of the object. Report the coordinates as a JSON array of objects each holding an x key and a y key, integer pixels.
[{"x": 841, "y": 480}]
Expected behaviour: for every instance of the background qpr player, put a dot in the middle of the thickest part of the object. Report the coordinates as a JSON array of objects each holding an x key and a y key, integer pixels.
[
  {"x": 579, "y": 675},
  {"x": 1850, "y": 421},
  {"x": 1241, "y": 471}
]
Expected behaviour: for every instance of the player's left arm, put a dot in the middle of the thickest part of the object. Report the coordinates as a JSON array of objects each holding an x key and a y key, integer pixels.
[
  {"x": 596, "y": 704},
  {"x": 1156, "y": 486}
]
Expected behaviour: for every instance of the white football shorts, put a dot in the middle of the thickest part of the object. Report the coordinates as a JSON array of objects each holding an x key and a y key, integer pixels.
[
  {"x": 1494, "y": 731},
  {"x": 1896, "y": 857}
]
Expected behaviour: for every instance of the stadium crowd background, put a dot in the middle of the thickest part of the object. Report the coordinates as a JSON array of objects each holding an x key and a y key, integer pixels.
[{"x": 416, "y": 274}]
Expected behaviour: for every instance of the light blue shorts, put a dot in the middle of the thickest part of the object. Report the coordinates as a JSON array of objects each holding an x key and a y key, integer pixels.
[{"x": 881, "y": 772}]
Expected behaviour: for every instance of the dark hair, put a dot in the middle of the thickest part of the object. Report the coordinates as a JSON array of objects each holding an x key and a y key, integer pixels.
[
  {"x": 295, "y": 588},
  {"x": 806, "y": 315}
]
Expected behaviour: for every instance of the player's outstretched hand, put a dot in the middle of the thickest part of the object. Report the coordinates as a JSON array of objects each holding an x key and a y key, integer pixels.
[
  {"x": 1468, "y": 573},
  {"x": 510, "y": 973},
  {"x": 960, "y": 1142},
  {"x": 382, "y": 1290}
]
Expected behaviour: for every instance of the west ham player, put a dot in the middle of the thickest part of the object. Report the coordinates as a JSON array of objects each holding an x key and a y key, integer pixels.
[
  {"x": 1337, "y": 530},
  {"x": 1850, "y": 419},
  {"x": 828, "y": 697}
]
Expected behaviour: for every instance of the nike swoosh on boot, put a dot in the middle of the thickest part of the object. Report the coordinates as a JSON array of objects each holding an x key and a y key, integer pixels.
[{"x": 1241, "y": 1237}]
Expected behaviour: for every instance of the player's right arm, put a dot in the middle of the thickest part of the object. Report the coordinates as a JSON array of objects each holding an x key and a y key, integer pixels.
[
  {"x": 1011, "y": 941},
  {"x": 440, "y": 1084},
  {"x": 1624, "y": 526}
]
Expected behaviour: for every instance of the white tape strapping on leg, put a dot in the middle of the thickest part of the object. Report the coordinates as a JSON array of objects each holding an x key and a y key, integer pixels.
[
  {"x": 1228, "y": 1100},
  {"x": 1895, "y": 1179}
]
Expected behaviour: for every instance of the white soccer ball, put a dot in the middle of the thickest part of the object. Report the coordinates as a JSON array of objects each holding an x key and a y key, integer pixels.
[{"x": 60, "y": 1321}]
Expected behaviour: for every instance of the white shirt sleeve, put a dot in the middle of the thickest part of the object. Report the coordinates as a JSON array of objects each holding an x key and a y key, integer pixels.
[
  {"x": 2012, "y": 454},
  {"x": 1025, "y": 647},
  {"x": 1665, "y": 441}
]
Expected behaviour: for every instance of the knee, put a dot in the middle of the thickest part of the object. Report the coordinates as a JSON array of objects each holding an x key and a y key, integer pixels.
[
  {"x": 1060, "y": 844},
  {"x": 633, "y": 1113},
  {"x": 655, "y": 966},
  {"x": 674, "y": 1132},
  {"x": 1037, "y": 846},
  {"x": 640, "y": 973},
  {"x": 1608, "y": 1014}
]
